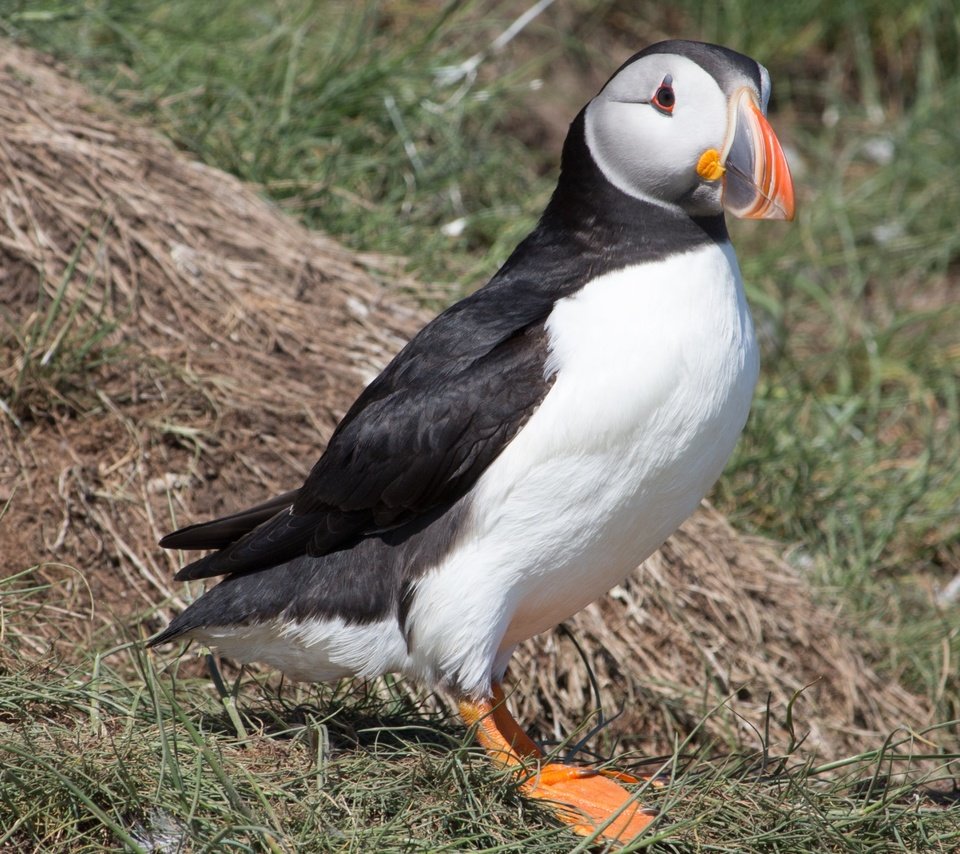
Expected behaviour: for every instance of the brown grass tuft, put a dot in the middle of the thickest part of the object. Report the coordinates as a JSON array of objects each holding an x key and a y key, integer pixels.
[{"x": 221, "y": 342}]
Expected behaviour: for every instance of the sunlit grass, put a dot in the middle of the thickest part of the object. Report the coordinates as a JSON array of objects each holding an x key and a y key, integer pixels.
[
  {"x": 351, "y": 115},
  {"x": 122, "y": 747}
]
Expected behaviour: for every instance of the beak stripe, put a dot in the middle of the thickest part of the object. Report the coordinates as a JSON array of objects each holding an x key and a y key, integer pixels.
[{"x": 758, "y": 185}]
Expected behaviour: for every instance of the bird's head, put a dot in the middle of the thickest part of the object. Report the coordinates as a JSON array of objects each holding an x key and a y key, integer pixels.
[{"x": 683, "y": 124}]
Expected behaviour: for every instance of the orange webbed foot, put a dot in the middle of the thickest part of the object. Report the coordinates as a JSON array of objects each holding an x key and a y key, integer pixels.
[
  {"x": 584, "y": 798},
  {"x": 587, "y": 800}
]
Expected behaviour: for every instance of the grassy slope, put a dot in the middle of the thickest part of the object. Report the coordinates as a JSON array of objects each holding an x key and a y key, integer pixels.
[{"x": 853, "y": 449}]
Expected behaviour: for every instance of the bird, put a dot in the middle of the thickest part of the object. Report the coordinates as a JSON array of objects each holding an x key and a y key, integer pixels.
[{"x": 535, "y": 441}]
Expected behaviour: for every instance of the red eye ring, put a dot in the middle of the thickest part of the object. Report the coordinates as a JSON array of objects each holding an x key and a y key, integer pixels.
[{"x": 664, "y": 99}]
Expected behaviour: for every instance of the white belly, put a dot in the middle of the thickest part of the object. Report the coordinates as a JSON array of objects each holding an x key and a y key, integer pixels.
[{"x": 655, "y": 369}]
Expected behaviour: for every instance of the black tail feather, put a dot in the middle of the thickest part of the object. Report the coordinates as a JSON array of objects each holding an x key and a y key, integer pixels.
[
  {"x": 220, "y": 533},
  {"x": 279, "y": 539}
]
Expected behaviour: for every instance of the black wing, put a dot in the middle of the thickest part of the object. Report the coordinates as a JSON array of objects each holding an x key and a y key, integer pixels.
[
  {"x": 426, "y": 428},
  {"x": 418, "y": 437}
]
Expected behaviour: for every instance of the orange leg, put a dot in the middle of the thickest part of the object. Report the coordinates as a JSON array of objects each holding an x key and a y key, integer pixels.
[{"x": 582, "y": 797}]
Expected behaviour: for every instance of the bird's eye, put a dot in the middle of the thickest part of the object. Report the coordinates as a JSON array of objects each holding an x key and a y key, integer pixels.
[{"x": 664, "y": 99}]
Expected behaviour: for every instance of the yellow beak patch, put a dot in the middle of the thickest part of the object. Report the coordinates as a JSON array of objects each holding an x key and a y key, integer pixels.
[{"x": 709, "y": 166}]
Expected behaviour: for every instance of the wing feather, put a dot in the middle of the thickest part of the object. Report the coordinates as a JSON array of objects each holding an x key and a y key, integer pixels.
[
  {"x": 419, "y": 436},
  {"x": 221, "y": 532}
]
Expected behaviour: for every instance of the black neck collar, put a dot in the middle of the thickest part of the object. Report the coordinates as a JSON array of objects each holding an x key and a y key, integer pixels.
[{"x": 585, "y": 206}]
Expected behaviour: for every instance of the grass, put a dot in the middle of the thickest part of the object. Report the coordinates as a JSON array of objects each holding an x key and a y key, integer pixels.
[
  {"x": 114, "y": 751},
  {"x": 52, "y": 355},
  {"x": 120, "y": 749},
  {"x": 338, "y": 114},
  {"x": 852, "y": 451},
  {"x": 854, "y": 443}
]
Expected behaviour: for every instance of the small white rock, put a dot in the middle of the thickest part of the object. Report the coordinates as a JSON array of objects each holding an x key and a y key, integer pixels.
[
  {"x": 167, "y": 482},
  {"x": 454, "y": 228},
  {"x": 879, "y": 150},
  {"x": 951, "y": 593},
  {"x": 357, "y": 309},
  {"x": 887, "y": 232}
]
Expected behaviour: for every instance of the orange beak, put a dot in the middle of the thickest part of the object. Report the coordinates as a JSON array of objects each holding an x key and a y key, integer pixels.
[{"x": 757, "y": 182}]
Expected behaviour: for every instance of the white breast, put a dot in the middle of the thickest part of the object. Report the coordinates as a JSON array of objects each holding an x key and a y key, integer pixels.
[{"x": 655, "y": 369}]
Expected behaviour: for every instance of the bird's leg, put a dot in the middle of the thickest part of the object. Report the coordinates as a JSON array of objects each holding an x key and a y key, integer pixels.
[
  {"x": 497, "y": 732},
  {"x": 582, "y": 797}
]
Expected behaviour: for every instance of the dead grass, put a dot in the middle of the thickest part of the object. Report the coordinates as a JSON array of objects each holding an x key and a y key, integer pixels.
[{"x": 219, "y": 307}]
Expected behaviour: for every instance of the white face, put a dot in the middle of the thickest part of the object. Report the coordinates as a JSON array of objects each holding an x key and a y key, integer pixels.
[{"x": 648, "y": 147}]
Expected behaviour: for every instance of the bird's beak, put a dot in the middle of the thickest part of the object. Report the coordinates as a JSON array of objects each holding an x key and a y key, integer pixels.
[{"x": 756, "y": 181}]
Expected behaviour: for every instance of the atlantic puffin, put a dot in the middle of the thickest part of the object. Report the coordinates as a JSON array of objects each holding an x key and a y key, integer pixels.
[{"x": 537, "y": 440}]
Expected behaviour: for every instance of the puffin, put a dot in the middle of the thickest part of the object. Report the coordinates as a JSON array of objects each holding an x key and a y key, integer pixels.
[{"x": 537, "y": 440}]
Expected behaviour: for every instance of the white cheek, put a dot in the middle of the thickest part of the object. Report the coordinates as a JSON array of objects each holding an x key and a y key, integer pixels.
[
  {"x": 654, "y": 156},
  {"x": 701, "y": 123},
  {"x": 695, "y": 128}
]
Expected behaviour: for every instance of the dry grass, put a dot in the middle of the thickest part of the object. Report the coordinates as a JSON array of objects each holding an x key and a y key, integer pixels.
[
  {"x": 227, "y": 341},
  {"x": 231, "y": 338},
  {"x": 715, "y": 627}
]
